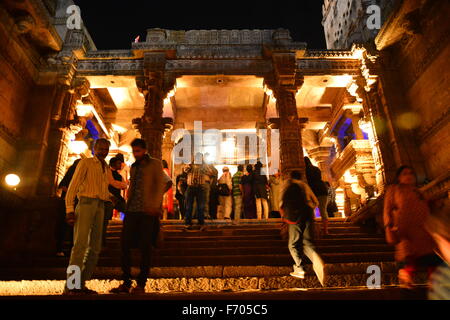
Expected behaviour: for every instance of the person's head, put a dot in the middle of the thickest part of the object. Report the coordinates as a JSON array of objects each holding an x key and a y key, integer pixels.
[
  {"x": 308, "y": 162},
  {"x": 438, "y": 225},
  {"x": 101, "y": 148},
  {"x": 225, "y": 170},
  {"x": 249, "y": 168},
  {"x": 120, "y": 157},
  {"x": 240, "y": 168},
  {"x": 139, "y": 148},
  {"x": 296, "y": 175},
  {"x": 164, "y": 164},
  {"x": 406, "y": 175},
  {"x": 115, "y": 163}
]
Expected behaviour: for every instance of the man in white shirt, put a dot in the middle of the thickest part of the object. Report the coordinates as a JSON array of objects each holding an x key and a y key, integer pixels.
[{"x": 90, "y": 185}]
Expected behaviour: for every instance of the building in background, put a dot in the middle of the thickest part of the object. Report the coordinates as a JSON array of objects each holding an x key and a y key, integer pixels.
[{"x": 345, "y": 21}]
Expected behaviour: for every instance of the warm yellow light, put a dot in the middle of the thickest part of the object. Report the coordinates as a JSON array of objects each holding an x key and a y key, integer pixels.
[
  {"x": 84, "y": 109},
  {"x": 77, "y": 147},
  {"x": 12, "y": 180},
  {"x": 118, "y": 128}
]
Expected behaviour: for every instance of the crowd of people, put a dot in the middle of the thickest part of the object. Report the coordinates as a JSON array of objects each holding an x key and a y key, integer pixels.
[
  {"x": 93, "y": 191},
  {"x": 248, "y": 194}
]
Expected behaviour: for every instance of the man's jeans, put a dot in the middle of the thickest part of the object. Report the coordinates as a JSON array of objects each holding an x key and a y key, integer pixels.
[
  {"x": 87, "y": 236},
  {"x": 237, "y": 208},
  {"x": 140, "y": 230},
  {"x": 301, "y": 237},
  {"x": 198, "y": 193}
]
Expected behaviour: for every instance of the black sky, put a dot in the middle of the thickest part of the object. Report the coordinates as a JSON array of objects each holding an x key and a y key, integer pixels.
[{"x": 114, "y": 24}]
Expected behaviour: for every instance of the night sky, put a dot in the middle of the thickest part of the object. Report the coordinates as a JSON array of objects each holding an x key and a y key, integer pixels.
[{"x": 114, "y": 24}]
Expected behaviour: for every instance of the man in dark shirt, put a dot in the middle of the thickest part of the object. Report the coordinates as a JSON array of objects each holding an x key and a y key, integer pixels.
[{"x": 61, "y": 225}]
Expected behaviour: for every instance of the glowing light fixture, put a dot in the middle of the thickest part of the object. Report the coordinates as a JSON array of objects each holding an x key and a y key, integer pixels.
[
  {"x": 77, "y": 147},
  {"x": 84, "y": 110},
  {"x": 12, "y": 180}
]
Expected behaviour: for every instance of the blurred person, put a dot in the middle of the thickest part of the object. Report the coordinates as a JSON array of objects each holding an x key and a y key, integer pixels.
[
  {"x": 275, "y": 183},
  {"x": 225, "y": 186},
  {"x": 61, "y": 225},
  {"x": 438, "y": 225},
  {"x": 141, "y": 224},
  {"x": 248, "y": 197},
  {"x": 297, "y": 209},
  {"x": 315, "y": 182},
  {"x": 168, "y": 196},
  {"x": 90, "y": 185},
  {"x": 237, "y": 192},
  {"x": 405, "y": 213},
  {"x": 260, "y": 185}
]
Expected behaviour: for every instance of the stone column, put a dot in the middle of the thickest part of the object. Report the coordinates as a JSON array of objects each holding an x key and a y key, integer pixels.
[
  {"x": 291, "y": 150},
  {"x": 321, "y": 155},
  {"x": 151, "y": 124}
]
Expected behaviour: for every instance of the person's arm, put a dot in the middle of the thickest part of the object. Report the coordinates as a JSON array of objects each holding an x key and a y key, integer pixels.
[
  {"x": 167, "y": 181},
  {"x": 77, "y": 179},
  {"x": 116, "y": 184},
  {"x": 389, "y": 226},
  {"x": 310, "y": 196}
]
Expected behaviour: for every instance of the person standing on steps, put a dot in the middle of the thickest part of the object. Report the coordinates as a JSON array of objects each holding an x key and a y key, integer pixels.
[
  {"x": 248, "y": 196},
  {"x": 225, "y": 200},
  {"x": 168, "y": 196},
  {"x": 61, "y": 224},
  {"x": 237, "y": 193},
  {"x": 90, "y": 185},
  {"x": 275, "y": 183},
  {"x": 142, "y": 218},
  {"x": 260, "y": 185},
  {"x": 315, "y": 182},
  {"x": 117, "y": 201},
  {"x": 297, "y": 210},
  {"x": 196, "y": 190},
  {"x": 181, "y": 182}
]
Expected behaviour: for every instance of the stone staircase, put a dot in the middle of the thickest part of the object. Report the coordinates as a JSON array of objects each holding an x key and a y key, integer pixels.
[{"x": 227, "y": 257}]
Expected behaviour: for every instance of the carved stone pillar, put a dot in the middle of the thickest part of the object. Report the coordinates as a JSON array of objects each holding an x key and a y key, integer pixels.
[
  {"x": 321, "y": 155},
  {"x": 291, "y": 150},
  {"x": 60, "y": 132},
  {"x": 151, "y": 125},
  {"x": 285, "y": 85}
]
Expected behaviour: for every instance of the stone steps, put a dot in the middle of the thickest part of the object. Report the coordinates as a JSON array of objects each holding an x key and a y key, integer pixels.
[
  {"x": 250, "y": 255},
  {"x": 274, "y": 248}
]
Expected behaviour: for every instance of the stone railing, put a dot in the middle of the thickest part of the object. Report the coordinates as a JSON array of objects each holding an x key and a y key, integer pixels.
[
  {"x": 438, "y": 188},
  {"x": 356, "y": 152}
]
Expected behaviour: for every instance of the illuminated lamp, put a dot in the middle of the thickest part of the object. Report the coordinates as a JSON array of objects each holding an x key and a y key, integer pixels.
[
  {"x": 77, "y": 147},
  {"x": 12, "y": 180},
  {"x": 84, "y": 110}
]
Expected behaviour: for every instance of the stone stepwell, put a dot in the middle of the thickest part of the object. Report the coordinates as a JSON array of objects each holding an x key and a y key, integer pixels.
[{"x": 227, "y": 257}]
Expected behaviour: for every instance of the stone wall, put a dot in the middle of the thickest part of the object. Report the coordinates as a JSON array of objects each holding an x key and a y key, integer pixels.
[{"x": 422, "y": 59}]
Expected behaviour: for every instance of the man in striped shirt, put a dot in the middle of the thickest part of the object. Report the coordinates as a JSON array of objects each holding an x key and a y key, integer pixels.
[{"x": 90, "y": 185}]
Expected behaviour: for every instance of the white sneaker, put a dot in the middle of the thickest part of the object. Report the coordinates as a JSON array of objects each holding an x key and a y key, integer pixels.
[{"x": 298, "y": 274}]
